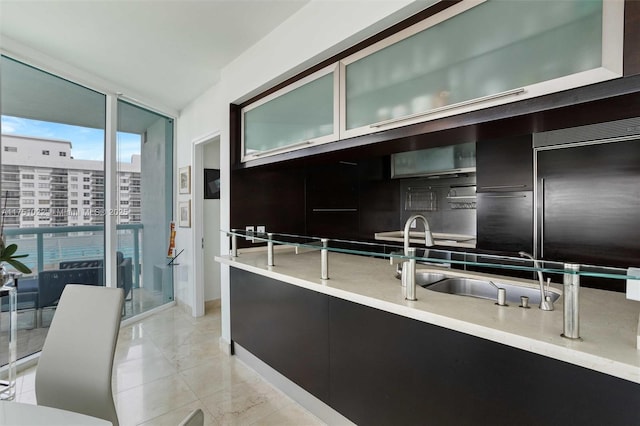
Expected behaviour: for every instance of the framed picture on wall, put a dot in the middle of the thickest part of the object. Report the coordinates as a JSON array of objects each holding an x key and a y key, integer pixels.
[
  {"x": 184, "y": 180},
  {"x": 211, "y": 184},
  {"x": 184, "y": 214}
]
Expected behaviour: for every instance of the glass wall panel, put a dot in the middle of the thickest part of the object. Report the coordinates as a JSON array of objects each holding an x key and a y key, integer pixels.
[
  {"x": 52, "y": 158},
  {"x": 492, "y": 48},
  {"x": 144, "y": 207}
]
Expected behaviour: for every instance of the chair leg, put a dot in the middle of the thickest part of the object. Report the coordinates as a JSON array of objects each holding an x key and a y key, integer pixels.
[{"x": 39, "y": 318}]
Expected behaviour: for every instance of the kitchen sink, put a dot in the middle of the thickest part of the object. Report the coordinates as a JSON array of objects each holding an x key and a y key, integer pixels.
[
  {"x": 424, "y": 278},
  {"x": 485, "y": 290},
  {"x": 479, "y": 288}
]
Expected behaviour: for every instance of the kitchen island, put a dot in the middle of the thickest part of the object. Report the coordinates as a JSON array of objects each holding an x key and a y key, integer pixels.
[{"x": 358, "y": 346}]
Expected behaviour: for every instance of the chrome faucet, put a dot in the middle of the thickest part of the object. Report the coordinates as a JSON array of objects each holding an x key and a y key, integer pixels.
[
  {"x": 546, "y": 304},
  {"x": 428, "y": 238},
  {"x": 409, "y": 266}
]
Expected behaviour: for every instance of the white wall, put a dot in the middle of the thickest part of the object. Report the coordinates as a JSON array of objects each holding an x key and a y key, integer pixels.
[
  {"x": 317, "y": 31},
  {"x": 202, "y": 118}
]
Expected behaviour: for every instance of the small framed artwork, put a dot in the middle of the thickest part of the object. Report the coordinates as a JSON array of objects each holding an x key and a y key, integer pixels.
[
  {"x": 211, "y": 184},
  {"x": 184, "y": 180},
  {"x": 184, "y": 214}
]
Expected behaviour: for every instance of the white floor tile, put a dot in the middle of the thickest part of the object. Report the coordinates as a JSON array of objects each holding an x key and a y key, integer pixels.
[{"x": 170, "y": 363}]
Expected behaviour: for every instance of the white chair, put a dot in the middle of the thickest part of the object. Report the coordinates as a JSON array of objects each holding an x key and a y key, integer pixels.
[
  {"x": 195, "y": 418},
  {"x": 76, "y": 363}
]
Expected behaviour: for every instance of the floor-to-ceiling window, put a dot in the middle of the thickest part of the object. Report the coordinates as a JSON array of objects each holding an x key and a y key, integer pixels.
[
  {"x": 144, "y": 205},
  {"x": 55, "y": 194},
  {"x": 52, "y": 160}
]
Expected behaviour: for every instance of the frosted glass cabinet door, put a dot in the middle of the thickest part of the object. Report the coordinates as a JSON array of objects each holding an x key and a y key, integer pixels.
[
  {"x": 460, "y": 158},
  {"x": 476, "y": 55},
  {"x": 300, "y": 115}
]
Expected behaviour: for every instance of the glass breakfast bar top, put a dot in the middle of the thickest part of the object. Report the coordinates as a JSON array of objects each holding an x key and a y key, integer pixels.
[{"x": 462, "y": 259}]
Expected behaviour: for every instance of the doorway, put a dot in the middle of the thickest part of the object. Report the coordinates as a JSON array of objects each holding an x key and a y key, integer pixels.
[{"x": 206, "y": 226}]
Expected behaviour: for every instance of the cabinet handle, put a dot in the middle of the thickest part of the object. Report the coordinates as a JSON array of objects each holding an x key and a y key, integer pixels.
[
  {"x": 449, "y": 107},
  {"x": 506, "y": 196},
  {"x": 282, "y": 148},
  {"x": 335, "y": 210},
  {"x": 503, "y": 186}
]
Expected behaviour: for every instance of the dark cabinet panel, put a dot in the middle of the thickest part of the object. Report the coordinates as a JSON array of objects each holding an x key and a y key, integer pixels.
[
  {"x": 283, "y": 325},
  {"x": 631, "y": 37},
  {"x": 589, "y": 199},
  {"x": 505, "y": 221},
  {"x": 590, "y": 203},
  {"x": 504, "y": 164},
  {"x": 391, "y": 370},
  {"x": 332, "y": 200},
  {"x": 273, "y": 198},
  {"x": 375, "y": 367}
]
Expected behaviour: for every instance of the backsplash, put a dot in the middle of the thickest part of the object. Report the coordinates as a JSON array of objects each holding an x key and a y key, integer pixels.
[{"x": 448, "y": 203}]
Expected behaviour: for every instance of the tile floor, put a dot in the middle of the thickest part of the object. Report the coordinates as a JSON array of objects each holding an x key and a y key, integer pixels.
[{"x": 170, "y": 363}]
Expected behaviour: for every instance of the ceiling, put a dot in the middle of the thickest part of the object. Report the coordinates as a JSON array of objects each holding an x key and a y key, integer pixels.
[{"x": 167, "y": 52}]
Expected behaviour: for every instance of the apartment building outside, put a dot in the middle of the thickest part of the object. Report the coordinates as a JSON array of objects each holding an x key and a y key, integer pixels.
[{"x": 45, "y": 186}]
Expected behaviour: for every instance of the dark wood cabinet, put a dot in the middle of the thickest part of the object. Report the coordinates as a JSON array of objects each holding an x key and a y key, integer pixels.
[
  {"x": 376, "y": 367},
  {"x": 388, "y": 369},
  {"x": 504, "y": 185},
  {"x": 283, "y": 325},
  {"x": 332, "y": 200},
  {"x": 505, "y": 164},
  {"x": 505, "y": 221}
]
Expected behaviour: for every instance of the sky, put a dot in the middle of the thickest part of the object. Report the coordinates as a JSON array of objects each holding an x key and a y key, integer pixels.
[{"x": 86, "y": 143}]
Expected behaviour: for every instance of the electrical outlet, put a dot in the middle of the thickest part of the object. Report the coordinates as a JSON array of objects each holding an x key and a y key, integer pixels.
[
  {"x": 249, "y": 233},
  {"x": 261, "y": 230}
]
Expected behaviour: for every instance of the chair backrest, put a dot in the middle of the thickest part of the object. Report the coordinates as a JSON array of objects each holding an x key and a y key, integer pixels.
[
  {"x": 75, "y": 366},
  {"x": 195, "y": 418}
]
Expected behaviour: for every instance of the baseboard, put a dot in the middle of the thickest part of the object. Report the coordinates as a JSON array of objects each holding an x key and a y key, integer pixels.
[
  {"x": 146, "y": 314},
  {"x": 212, "y": 305}
]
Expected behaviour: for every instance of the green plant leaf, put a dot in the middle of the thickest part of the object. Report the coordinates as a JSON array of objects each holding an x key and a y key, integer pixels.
[
  {"x": 21, "y": 267},
  {"x": 18, "y": 256},
  {"x": 9, "y": 250}
]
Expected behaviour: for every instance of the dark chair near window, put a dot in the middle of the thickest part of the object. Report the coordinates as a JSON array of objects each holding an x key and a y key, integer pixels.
[
  {"x": 125, "y": 271},
  {"x": 27, "y": 298},
  {"x": 51, "y": 283}
]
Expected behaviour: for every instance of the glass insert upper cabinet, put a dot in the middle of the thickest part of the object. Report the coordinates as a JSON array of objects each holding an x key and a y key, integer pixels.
[
  {"x": 452, "y": 159},
  {"x": 477, "y": 54},
  {"x": 301, "y": 114}
]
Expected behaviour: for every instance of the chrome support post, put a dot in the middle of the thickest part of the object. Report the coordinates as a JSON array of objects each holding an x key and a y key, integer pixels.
[
  {"x": 234, "y": 243},
  {"x": 409, "y": 275},
  {"x": 270, "y": 249},
  {"x": 324, "y": 259},
  {"x": 571, "y": 312}
]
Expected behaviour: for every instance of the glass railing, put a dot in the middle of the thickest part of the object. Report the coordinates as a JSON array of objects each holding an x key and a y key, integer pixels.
[
  {"x": 455, "y": 259},
  {"x": 46, "y": 247},
  {"x": 60, "y": 253}
]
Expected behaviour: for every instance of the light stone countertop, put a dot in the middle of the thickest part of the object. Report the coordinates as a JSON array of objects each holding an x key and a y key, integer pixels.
[{"x": 608, "y": 321}]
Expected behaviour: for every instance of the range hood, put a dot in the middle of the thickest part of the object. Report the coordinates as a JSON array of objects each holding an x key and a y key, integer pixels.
[{"x": 434, "y": 162}]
